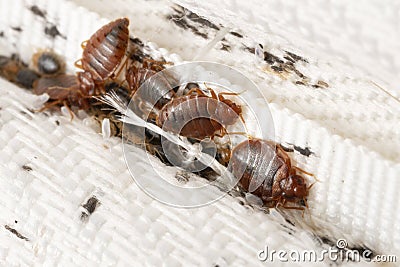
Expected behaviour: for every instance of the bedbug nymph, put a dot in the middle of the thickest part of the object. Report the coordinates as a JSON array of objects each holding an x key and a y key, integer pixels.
[
  {"x": 198, "y": 115},
  {"x": 102, "y": 55},
  {"x": 264, "y": 169}
]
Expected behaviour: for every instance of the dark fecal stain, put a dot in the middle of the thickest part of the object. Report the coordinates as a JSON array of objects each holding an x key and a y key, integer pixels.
[
  {"x": 225, "y": 47},
  {"x": 57, "y": 122},
  {"x": 289, "y": 59},
  {"x": 286, "y": 64},
  {"x": 183, "y": 23},
  {"x": 301, "y": 75},
  {"x": 296, "y": 57},
  {"x": 90, "y": 206},
  {"x": 15, "y": 232},
  {"x": 252, "y": 50},
  {"x": 271, "y": 59},
  {"x": 37, "y": 11},
  {"x": 18, "y": 29},
  {"x": 277, "y": 68},
  {"x": 287, "y": 149},
  {"x": 290, "y": 222},
  {"x": 304, "y": 151},
  {"x": 365, "y": 252},
  {"x": 27, "y": 168},
  {"x": 52, "y": 31},
  {"x": 1, "y": 34},
  {"x": 188, "y": 20},
  {"x": 300, "y": 83},
  {"x": 236, "y": 34},
  {"x": 204, "y": 22},
  {"x": 320, "y": 84},
  {"x": 327, "y": 241}
]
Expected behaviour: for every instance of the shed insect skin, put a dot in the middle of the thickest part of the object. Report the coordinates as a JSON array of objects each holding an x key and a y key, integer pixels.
[
  {"x": 276, "y": 185},
  {"x": 205, "y": 116},
  {"x": 102, "y": 54},
  {"x": 48, "y": 63}
]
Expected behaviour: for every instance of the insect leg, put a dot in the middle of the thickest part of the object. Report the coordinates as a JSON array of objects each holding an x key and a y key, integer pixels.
[
  {"x": 221, "y": 95},
  {"x": 78, "y": 64},
  {"x": 65, "y": 103},
  {"x": 122, "y": 66},
  {"x": 195, "y": 90},
  {"x": 83, "y": 44},
  {"x": 49, "y": 105}
]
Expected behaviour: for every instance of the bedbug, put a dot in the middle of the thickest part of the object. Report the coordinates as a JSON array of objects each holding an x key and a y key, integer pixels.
[
  {"x": 157, "y": 90},
  {"x": 264, "y": 169},
  {"x": 48, "y": 63},
  {"x": 200, "y": 115},
  {"x": 62, "y": 89},
  {"x": 102, "y": 54}
]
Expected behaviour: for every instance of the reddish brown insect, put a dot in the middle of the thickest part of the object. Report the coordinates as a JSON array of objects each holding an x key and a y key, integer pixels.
[
  {"x": 62, "y": 89},
  {"x": 264, "y": 169},
  {"x": 102, "y": 55},
  {"x": 199, "y": 115},
  {"x": 156, "y": 92}
]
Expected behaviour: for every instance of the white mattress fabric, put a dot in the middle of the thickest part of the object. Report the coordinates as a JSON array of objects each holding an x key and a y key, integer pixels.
[{"x": 51, "y": 166}]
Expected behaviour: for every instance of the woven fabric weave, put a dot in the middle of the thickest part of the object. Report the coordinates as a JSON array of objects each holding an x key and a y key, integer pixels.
[{"x": 51, "y": 165}]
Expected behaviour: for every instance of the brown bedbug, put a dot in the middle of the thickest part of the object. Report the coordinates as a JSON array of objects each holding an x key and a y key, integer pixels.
[
  {"x": 200, "y": 115},
  {"x": 157, "y": 90},
  {"x": 264, "y": 169},
  {"x": 102, "y": 54},
  {"x": 48, "y": 63},
  {"x": 63, "y": 89}
]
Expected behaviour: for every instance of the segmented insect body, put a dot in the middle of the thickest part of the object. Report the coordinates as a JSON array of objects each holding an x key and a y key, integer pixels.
[
  {"x": 199, "y": 116},
  {"x": 103, "y": 53},
  {"x": 264, "y": 169},
  {"x": 156, "y": 90},
  {"x": 48, "y": 63},
  {"x": 62, "y": 89}
]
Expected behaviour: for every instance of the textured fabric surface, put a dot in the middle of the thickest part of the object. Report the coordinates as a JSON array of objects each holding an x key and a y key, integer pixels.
[{"x": 50, "y": 170}]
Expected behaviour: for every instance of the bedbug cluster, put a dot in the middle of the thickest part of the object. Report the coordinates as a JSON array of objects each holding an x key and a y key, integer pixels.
[{"x": 262, "y": 167}]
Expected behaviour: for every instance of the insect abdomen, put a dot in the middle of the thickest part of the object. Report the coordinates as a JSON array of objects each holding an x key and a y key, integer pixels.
[
  {"x": 106, "y": 49},
  {"x": 254, "y": 163},
  {"x": 190, "y": 116}
]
